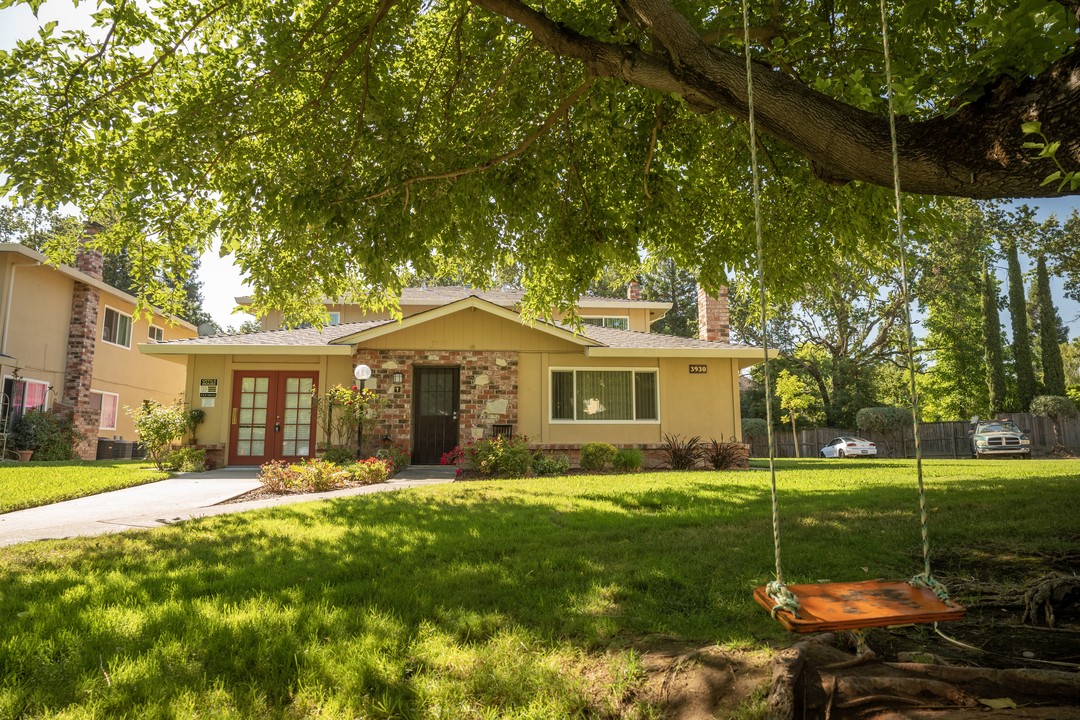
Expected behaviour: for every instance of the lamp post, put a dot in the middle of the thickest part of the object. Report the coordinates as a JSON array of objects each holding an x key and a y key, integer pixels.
[{"x": 361, "y": 373}]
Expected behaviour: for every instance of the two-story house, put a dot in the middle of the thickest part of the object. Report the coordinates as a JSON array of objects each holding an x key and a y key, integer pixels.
[
  {"x": 69, "y": 341},
  {"x": 461, "y": 364}
]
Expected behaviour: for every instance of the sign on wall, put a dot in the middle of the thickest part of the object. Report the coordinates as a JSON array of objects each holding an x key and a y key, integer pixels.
[
  {"x": 698, "y": 369},
  {"x": 208, "y": 387}
]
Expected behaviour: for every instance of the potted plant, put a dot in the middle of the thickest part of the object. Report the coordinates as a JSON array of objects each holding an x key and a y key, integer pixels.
[{"x": 24, "y": 436}]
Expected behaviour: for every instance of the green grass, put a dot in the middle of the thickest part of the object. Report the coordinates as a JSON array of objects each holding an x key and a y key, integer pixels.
[
  {"x": 522, "y": 598},
  {"x": 24, "y": 485}
]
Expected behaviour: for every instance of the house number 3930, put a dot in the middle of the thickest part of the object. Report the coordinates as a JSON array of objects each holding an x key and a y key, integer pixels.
[{"x": 698, "y": 369}]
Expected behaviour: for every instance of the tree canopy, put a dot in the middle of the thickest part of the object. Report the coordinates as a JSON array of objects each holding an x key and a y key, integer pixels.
[{"x": 336, "y": 146}]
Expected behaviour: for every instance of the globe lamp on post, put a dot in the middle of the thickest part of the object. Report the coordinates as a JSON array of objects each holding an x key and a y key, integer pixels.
[{"x": 361, "y": 373}]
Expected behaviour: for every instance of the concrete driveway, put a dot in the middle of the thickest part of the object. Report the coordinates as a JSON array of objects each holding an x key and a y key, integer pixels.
[{"x": 170, "y": 501}]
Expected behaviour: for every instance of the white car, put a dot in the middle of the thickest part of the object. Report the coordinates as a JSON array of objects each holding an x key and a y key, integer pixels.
[{"x": 849, "y": 447}]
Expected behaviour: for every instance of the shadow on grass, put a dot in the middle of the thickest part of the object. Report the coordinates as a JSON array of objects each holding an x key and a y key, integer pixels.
[{"x": 476, "y": 594}]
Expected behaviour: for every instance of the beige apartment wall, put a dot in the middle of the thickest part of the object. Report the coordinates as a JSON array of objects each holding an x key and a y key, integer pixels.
[
  {"x": 132, "y": 375},
  {"x": 706, "y": 405},
  {"x": 37, "y": 331},
  {"x": 470, "y": 329}
]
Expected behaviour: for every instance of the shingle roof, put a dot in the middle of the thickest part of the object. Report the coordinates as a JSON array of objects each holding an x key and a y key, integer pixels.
[
  {"x": 312, "y": 337},
  {"x": 295, "y": 337}
]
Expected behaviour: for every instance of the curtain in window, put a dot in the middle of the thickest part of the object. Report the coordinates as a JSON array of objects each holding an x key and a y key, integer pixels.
[
  {"x": 562, "y": 395},
  {"x": 108, "y": 411},
  {"x": 605, "y": 395},
  {"x": 645, "y": 395}
]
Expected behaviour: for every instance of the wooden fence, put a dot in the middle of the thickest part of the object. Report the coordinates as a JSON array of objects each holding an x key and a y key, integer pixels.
[{"x": 939, "y": 439}]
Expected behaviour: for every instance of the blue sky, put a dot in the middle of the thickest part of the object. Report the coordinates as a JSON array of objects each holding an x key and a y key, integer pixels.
[{"x": 222, "y": 281}]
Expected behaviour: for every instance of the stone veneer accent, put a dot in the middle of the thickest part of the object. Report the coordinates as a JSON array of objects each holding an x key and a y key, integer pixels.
[
  {"x": 713, "y": 322},
  {"x": 82, "y": 336},
  {"x": 488, "y": 387}
]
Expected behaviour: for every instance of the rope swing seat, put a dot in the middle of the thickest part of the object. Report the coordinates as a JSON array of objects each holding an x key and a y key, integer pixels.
[
  {"x": 846, "y": 606},
  {"x": 857, "y": 605}
]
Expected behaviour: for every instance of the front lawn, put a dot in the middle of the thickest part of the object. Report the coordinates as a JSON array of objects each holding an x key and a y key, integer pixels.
[
  {"x": 519, "y": 598},
  {"x": 24, "y": 485}
]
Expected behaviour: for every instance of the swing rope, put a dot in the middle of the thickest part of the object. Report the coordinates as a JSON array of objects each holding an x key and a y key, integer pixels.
[
  {"x": 925, "y": 578},
  {"x": 777, "y": 591}
]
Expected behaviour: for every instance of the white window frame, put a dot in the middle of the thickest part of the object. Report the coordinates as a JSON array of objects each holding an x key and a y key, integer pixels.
[
  {"x": 131, "y": 326},
  {"x": 633, "y": 395},
  {"x": 27, "y": 382},
  {"x": 604, "y": 318},
  {"x": 116, "y": 414},
  {"x": 335, "y": 317},
  {"x": 150, "y": 333}
]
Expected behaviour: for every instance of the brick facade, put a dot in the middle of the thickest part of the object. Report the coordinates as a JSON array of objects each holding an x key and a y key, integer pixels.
[
  {"x": 714, "y": 325},
  {"x": 488, "y": 389},
  {"x": 79, "y": 365}
]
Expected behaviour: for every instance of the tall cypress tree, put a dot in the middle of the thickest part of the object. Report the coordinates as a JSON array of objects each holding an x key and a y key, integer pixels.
[
  {"x": 995, "y": 364},
  {"x": 1053, "y": 367},
  {"x": 1025, "y": 373}
]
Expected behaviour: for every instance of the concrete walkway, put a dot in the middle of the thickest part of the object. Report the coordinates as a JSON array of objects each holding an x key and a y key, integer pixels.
[{"x": 187, "y": 496}]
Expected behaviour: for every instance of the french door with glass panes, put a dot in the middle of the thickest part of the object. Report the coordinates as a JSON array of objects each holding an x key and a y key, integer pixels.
[{"x": 273, "y": 416}]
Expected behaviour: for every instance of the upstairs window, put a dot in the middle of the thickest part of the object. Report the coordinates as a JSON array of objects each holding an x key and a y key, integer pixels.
[
  {"x": 157, "y": 334},
  {"x": 615, "y": 322},
  {"x": 116, "y": 329},
  {"x": 335, "y": 318}
]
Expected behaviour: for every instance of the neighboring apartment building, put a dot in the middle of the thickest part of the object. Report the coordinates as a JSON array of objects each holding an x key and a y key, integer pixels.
[
  {"x": 69, "y": 341},
  {"x": 461, "y": 364}
]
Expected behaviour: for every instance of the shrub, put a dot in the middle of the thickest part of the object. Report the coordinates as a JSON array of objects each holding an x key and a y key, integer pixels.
[
  {"x": 370, "y": 471},
  {"x": 596, "y": 456},
  {"x": 724, "y": 455},
  {"x": 338, "y": 455},
  {"x": 502, "y": 456},
  {"x": 186, "y": 459},
  {"x": 49, "y": 435},
  {"x": 544, "y": 464},
  {"x": 398, "y": 458},
  {"x": 193, "y": 418},
  {"x": 680, "y": 454},
  {"x": 158, "y": 427},
  {"x": 754, "y": 428},
  {"x": 628, "y": 460},
  {"x": 306, "y": 476}
]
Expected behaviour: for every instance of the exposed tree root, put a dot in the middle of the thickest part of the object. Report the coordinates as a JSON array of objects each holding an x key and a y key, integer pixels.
[{"x": 1050, "y": 595}]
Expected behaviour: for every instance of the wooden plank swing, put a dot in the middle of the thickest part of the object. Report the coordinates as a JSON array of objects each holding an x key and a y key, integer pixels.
[{"x": 851, "y": 606}]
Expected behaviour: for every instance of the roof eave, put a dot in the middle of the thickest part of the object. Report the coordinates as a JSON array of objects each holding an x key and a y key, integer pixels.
[{"x": 179, "y": 348}]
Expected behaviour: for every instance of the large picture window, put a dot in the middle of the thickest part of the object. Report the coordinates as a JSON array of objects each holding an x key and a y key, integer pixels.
[
  {"x": 585, "y": 395},
  {"x": 116, "y": 328}
]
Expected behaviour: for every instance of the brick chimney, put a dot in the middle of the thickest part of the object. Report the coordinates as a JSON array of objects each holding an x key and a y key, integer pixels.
[
  {"x": 713, "y": 322},
  {"x": 82, "y": 335},
  {"x": 633, "y": 290}
]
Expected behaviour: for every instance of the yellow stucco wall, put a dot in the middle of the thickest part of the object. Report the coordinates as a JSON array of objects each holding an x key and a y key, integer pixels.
[
  {"x": 37, "y": 327},
  {"x": 706, "y": 405}
]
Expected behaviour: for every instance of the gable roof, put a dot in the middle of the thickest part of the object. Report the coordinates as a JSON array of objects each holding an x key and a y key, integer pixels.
[
  {"x": 339, "y": 339},
  {"x": 38, "y": 258}
]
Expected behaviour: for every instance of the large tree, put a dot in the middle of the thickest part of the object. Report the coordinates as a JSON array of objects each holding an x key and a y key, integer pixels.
[
  {"x": 1026, "y": 388},
  {"x": 995, "y": 354},
  {"x": 337, "y": 145}
]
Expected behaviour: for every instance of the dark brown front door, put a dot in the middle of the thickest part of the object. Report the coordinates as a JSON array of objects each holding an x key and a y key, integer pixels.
[
  {"x": 435, "y": 413},
  {"x": 273, "y": 417}
]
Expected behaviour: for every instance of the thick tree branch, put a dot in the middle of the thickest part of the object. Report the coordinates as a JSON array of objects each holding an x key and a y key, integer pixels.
[{"x": 976, "y": 152}]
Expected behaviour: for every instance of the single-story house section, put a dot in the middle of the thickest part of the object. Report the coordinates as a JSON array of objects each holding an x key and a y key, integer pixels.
[{"x": 467, "y": 369}]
